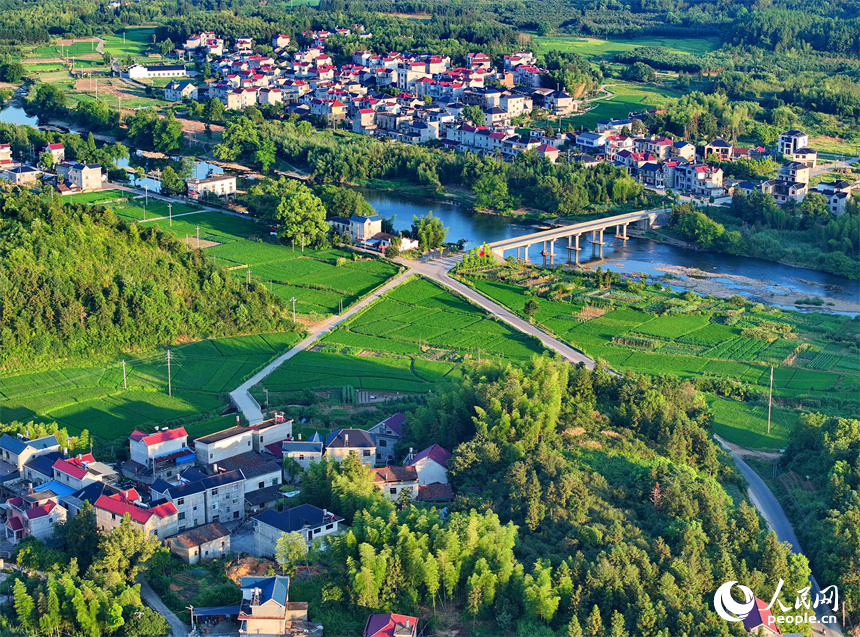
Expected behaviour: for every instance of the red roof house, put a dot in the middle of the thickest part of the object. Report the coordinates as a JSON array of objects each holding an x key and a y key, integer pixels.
[{"x": 390, "y": 625}]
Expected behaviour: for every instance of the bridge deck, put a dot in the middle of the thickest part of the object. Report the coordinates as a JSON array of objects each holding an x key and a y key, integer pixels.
[{"x": 567, "y": 231}]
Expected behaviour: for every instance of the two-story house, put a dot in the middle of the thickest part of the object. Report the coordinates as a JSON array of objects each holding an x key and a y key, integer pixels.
[
  {"x": 309, "y": 521},
  {"x": 223, "y": 444},
  {"x": 32, "y": 515},
  {"x": 207, "y": 542},
  {"x": 82, "y": 470},
  {"x": 431, "y": 464},
  {"x": 303, "y": 451},
  {"x": 386, "y": 433},
  {"x": 161, "y": 455},
  {"x": 343, "y": 442},
  {"x": 19, "y": 449},
  {"x": 159, "y": 519},
  {"x": 394, "y": 481},
  {"x": 262, "y": 485}
]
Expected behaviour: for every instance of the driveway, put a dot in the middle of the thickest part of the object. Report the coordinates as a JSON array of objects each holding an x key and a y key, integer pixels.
[
  {"x": 151, "y": 599},
  {"x": 242, "y": 541}
]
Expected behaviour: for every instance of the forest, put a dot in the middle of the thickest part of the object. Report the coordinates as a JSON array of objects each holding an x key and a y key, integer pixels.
[
  {"x": 77, "y": 280},
  {"x": 83, "y": 582},
  {"x": 828, "y": 449},
  {"x": 587, "y": 504}
]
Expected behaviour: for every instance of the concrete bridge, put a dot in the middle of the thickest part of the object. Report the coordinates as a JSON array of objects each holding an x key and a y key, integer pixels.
[{"x": 644, "y": 218}]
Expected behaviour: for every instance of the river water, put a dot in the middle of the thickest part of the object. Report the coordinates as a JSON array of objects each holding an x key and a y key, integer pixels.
[{"x": 753, "y": 278}]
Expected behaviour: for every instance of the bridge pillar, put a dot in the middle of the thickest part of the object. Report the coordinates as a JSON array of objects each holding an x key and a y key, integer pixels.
[
  {"x": 621, "y": 231},
  {"x": 600, "y": 243}
]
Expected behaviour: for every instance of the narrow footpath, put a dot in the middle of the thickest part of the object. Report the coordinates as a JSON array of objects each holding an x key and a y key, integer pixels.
[{"x": 151, "y": 598}]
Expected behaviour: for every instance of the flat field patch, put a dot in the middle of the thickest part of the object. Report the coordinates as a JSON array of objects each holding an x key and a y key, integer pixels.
[{"x": 93, "y": 398}]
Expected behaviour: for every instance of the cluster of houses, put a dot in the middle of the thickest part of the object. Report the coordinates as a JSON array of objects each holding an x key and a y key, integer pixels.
[
  {"x": 185, "y": 492},
  {"x": 70, "y": 176},
  {"x": 190, "y": 494}
]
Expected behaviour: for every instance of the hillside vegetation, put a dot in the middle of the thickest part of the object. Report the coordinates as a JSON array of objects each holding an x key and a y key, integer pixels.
[{"x": 78, "y": 280}]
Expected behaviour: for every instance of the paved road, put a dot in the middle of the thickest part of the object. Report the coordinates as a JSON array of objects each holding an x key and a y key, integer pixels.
[
  {"x": 767, "y": 504},
  {"x": 151, "y": 598},
  {"x": 241, "y": 396},
  {"x": 820, "y": 169},
  {"x": 437, "y": 270}
]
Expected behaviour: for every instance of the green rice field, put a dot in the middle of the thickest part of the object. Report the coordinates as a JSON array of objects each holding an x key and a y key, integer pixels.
[
  {"x": 746, "y": 424},
  {"x": 659, "y": 332},
  {"x": 600, "y": 49},
  {"x": 94, "y": 398}
]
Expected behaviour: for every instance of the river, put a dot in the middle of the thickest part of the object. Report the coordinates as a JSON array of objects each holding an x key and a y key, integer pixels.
[{"x": 757, "y": 279}]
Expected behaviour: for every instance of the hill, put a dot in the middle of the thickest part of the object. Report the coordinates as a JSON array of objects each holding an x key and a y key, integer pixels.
[{"x": 79, "y": 281}]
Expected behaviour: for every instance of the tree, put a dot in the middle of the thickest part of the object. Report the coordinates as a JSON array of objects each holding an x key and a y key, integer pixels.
[
  {"x": 531, "y": 308},
  {"x": 344, "y": 202},
  {"x": 300, "y": 213},
  {"x": 81, "y": 536},
  {"x": 594, "y": 623},
  {"x": 172, "y": 183},
  {"x": 167, "y": 134},
  {"x": 639, "y": 72},
  {"x": 124, "y": 553},
  {"x": 474, "y": 113},
  {"x": 214, "y": 110},
  {"x": 573, "y": 628},
  {"x": 289, "y": 551},
  {"x": 429, "y": 231},
  {"x": 46, "y": 161},
  {"x": 12, "y": 72},
  {"x": 24, "y": 604},
  {"x": 265, "y": 154},
  {"x": 292, "y": 468},
  {"x": 50, "y": 618},
  {"x": 492, "y": 190},
  {"x": 207, "y": 69}
]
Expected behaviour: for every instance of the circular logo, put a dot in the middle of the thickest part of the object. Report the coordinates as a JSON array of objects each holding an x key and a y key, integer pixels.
[{"x": 728, "y": 608}]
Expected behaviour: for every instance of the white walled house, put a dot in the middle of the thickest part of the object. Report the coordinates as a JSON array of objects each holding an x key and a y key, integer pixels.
[
  {"x": 310, "y": 521},
  {"x": 343, "y": 442},
  {"x": 431, "y": 464},
  {"x": 221, "y": 185},
  {"x": 386, "y": 433},
  {"x": 223, "y": 444},
  {"x": 141, "y": 72},
  {"x": 393, "y": 481}
]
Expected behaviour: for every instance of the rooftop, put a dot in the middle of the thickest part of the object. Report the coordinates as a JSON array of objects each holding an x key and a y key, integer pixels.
[{"x": 201, "y": 535}]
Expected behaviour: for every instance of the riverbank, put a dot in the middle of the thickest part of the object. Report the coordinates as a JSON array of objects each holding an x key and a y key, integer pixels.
[{"x": 714, "y": 284}]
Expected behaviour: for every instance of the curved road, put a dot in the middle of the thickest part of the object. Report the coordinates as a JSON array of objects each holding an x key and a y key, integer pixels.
[{"x": 765, "y": 501}]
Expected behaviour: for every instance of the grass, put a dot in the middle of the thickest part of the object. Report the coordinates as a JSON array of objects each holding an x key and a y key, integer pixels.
[
  {"x": 93, "y": 398},
  {"x": 746, "y": 425},
  {"x": 607, "y": 49},
  {"x": 626, "y": 98}
]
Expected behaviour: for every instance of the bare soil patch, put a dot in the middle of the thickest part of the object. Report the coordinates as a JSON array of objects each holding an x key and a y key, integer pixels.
[
  {"x": 193, "y": 243},
  {"x": 249, "y": 566}
]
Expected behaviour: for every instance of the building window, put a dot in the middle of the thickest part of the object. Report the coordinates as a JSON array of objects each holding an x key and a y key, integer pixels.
[
  {"x": 393, "y": 490},
  {"x": 180, "y": 502},
  {"x": 383, "y": 442},
  {"x": 260, "y": 485},
  {"x": 328, "y": 527},
  {"x": 181, "y": 516},
  {"x": 274, "y": 482},
  {"x": 366, "y": 453},
  {"x": 301, "y": 457},
  {"x": 214, "y": 491},
  {"x": 235, "y": 514}
]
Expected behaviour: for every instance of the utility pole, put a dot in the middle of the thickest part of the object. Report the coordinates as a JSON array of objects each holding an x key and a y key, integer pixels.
[
  {"x": 198, "y": 237},
  {"x": 294, "y": 308},
  {"x": 169, "y": 379},
  {"x": 124, "y": 379},
  {"x": 341, "y": 306},
  {"x": 170, "y": 213},
  {"x": 248, "y": 282},
  {"x": 770, "y": 399},
  {"x": 266, "y": 389}
]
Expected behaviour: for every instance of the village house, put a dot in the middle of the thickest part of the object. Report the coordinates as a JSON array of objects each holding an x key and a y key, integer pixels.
[
  {"x": 683, "y": 149},
  {"x": 81, "y": 176},
  {"x": 160, "y": 519},
  {"x": 159, "y": 455},
  {"x": 40, "y": 469},
  {"x": 303, "y": 451},
  {"x": 262, "y": 485},
  {"x": 719, "y": 148},
  {"x": 203, "y": 543},
  {"x": 178, "y": 91},
  {"x": 216, "y": 498},
  {"x": 394, "y": 481},
  {"x": 699, "y": 180},
  {"x": 390, "y": 625},
  {"x": 309, "y": 521},
  {"x": 141, "y": 72},
  {"x": 224, "y": 444},
  {"x": 57, "y": 151},
  {"x": 837, "y": 193},
  {"x": 17, "y": 450},
  {"x": 280, "y": 40},
  {"x": 431, "y": 464},
  {"x": 386, "y": 433},
  {"x": 23, "y": 175},
  {"x": 265, "y": 608},
  {"x": 81, "y": 470},
  {"x": 343, "y": 442},
  {"x": 32, "y": 515},
  {"x": 220, "y": 185}
]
